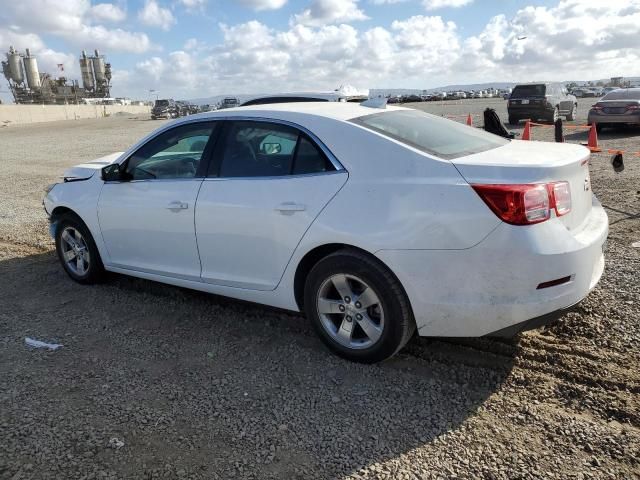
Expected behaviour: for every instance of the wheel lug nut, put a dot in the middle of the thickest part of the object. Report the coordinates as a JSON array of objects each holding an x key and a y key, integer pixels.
[
  {"x": 341, "y": 308},
  {"x": 358, "y": 317},
  {"x": 348, "y": 318},
  {"x": 347, "y": 299},
  {"x": 358, "y": 305}
]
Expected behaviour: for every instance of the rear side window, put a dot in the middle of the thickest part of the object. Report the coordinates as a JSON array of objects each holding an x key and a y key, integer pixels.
[
  {"x": 263, "y": 149},
  {"x": 623, "y": 95},
  {"x": 434, "y": 135},
  {"x": 521, "y": 91}
]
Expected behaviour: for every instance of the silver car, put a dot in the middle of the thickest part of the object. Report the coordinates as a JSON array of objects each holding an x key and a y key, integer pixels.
[{"x": 620, "y": 107}]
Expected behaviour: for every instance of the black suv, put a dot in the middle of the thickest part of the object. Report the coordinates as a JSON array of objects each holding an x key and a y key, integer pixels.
[
  {"x": 541, "y": 101},
  {"x": 166, "y": 108}
]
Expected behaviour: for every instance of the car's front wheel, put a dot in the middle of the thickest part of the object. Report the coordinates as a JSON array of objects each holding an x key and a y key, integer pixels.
[
  {"x": 358, "y": 307},
  {"x": 77, "y": 250}
]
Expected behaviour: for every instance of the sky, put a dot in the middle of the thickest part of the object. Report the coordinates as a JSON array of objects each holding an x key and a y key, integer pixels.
[{"x": 200, "y": 48}]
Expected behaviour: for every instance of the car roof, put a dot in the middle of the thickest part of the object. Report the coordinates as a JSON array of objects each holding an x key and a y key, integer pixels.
[{"x": 342, "y": 111}]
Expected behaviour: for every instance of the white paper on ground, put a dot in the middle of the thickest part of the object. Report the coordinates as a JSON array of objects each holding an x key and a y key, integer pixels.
[{"x": 38, "y": 344}]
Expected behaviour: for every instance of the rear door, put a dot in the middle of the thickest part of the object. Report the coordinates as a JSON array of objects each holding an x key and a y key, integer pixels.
[{"x": 267, "y": 184}]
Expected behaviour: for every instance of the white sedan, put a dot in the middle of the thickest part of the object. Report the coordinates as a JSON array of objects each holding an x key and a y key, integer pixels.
[{"x": 375, "y": 222}]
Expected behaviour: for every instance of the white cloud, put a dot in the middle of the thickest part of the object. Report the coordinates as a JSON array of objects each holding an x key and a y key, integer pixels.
[
  {"x": 73, "y": 21},
  {"x": 323, "y": 12},
  {"x": 154, "y": 15},
  {"x": 436, "y": 4},
  {"x": 193, "y": 5},
  {"x": 108, "y": 12},
  {"x": 258, "y": 5}
]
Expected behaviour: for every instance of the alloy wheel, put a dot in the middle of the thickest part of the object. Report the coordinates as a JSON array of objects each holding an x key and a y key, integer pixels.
[
  {"x": 350, "y": 311},
  {"x": 75, "y": 251}
]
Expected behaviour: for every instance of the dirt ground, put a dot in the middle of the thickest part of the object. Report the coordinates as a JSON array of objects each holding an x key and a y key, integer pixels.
[{"x": 159, "y": 382}]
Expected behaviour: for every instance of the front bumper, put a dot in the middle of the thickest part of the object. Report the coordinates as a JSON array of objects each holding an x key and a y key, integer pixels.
[{"x": 493, "y": 286}]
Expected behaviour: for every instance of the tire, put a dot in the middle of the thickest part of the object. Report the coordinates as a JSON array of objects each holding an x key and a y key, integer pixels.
[
  {"x": 513, "y": 120},
  {"x": 572, "y": 116},
  {"x": 342, "y": 323},
  {"x": 68, "y": 228},
  {"x": 555, "y": 116}
]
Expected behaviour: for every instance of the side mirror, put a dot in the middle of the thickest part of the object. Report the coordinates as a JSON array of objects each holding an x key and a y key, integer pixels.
[
  {"x": 112, "y": 173},
  {"x": 271, "y": 148}
]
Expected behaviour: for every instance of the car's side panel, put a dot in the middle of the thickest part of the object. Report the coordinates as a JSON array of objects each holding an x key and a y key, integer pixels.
[
  {"x": 248, "y": 228},
  {"x": 148, "y": 225}
]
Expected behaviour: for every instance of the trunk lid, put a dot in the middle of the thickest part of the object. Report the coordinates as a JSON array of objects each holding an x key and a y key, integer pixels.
[{"x": 522, "y": 162}]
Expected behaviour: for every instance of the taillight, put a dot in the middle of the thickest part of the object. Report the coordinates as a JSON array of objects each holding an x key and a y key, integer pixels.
[
  {"x": 596, "y": 107},
  {"x": 560, "y": 197},
  {"x": 633, "y": 107},
  {"x": 526, "y": 204}
]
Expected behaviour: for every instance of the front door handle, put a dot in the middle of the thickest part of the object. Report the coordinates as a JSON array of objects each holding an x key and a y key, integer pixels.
[
  {"x": 175, "y": 206},
  {"x": 289, "y": 208}
]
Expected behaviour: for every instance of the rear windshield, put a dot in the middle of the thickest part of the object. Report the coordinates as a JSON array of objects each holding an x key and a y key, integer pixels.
[
  {"x": 434, "y": 135},
  {"x": 162, "y": 103},
  {"x": 623, "y": 95},
  {"x": 529, "y": 91}
]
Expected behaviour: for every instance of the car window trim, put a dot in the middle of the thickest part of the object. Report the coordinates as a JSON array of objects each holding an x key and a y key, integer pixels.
[{"x": 216, "y": 160}]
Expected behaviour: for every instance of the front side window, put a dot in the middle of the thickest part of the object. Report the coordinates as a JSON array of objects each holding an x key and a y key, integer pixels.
[
  {"x": 176, "y": 153},
  {"x": 263, "y": 149},
  {"x": 434, "y": 135}
]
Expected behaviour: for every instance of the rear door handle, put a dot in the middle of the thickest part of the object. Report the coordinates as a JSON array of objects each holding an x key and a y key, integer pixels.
[
  {"x": 175, "y": 206},
  {"x": 289, "y": 208}
]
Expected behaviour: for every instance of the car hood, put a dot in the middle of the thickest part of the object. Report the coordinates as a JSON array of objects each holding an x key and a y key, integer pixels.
[{"x": 88, "y": 169}]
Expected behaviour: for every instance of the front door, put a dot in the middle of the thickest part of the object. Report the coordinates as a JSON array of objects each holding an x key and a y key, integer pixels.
[
  {"x": 147, "y": 219},
  {"x": 269, "y": 183}
]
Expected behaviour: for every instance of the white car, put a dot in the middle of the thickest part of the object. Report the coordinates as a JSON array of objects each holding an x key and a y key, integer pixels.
[{"x": 375, "y": 222}]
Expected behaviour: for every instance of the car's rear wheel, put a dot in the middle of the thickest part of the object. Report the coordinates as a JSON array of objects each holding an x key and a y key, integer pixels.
[
  {"x": 77, "y": 250},
  {"x": 556, "y": 115},
  {"x": 358, "y": 307},
  {"x": 574, "y": 112}
]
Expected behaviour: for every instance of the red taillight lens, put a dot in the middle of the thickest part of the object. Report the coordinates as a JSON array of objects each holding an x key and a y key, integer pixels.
[
  {"x": 596, "y": 107},
  {"x": 526, "y": 204},
  {"x": 561, "y": 197},
  {"x": 633, "y": 107}
]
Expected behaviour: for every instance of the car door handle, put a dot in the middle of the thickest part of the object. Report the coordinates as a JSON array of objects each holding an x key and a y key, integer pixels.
[
  {"x": 289, "y": 208},
  {"x": 175, "y": 206}
]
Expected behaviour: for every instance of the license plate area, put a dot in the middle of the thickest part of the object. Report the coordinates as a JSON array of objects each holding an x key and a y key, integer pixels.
[{"x": 525, "y": 102}]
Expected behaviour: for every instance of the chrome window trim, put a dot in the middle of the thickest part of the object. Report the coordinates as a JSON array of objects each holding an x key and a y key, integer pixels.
[{"x": 274, "y": 177}]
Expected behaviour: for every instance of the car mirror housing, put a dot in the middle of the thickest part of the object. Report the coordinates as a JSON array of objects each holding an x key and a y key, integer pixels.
[{"x": 112, "y": 173}]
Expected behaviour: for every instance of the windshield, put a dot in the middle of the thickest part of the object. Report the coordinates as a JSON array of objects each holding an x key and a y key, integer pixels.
[
  {"x": 529, "y": 91},
  {"x": 434, "y": 135},
  {"x": 630, "y": 94},
  {"x": 162, "y": 103},
  {"x": 230, "y": 101}
]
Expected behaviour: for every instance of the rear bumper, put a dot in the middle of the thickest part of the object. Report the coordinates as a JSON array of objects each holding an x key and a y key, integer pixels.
[
  {"x": 531, "y": 324},
  {"x": 609, "y": 119},
  {"x": 494, "y": 286}
]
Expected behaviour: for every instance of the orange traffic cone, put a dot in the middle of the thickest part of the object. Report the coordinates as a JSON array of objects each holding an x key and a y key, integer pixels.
[
  {"x": 526, "y": 135},
  {"x": 469, "y": 120},
  {"x": 592, "y": 143}
]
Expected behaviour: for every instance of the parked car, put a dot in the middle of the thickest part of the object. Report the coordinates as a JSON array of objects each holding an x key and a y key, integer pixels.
[
  {"x": 583, "y": 93},
  {"x": 165, "y": 108},
  {"x": 305, "y": 97},
  {"x": 298, "y": 206},
  {"x": 229, "y": 102},
  {"x": 541, "y": 101},
  {"x": 411, "y": 98},
  {"x": 620, "y": 107}
]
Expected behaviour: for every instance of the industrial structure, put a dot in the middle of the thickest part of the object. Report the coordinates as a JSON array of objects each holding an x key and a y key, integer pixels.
[{"x": 28, "y": 85}]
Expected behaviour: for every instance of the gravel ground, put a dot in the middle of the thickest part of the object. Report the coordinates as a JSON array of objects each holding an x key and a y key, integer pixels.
[{"x": 159, "y": 382}]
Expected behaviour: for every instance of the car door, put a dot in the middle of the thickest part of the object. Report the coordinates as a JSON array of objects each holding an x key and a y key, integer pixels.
[
  {"x": 267, "y": 183},
  {"x": 147, "y": 218}
]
